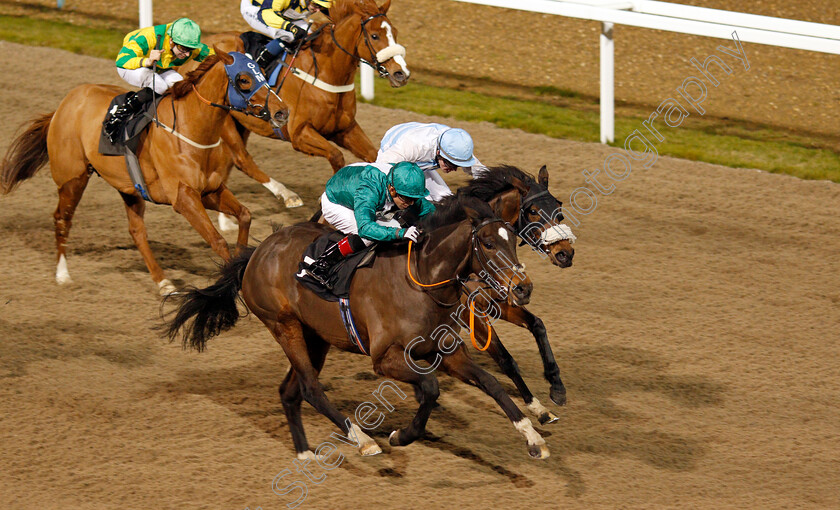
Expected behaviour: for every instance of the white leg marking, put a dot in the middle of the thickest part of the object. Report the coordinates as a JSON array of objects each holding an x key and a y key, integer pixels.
[
  {"x": 536, "y": 407},
  {"x": 308, "y": 454},
  {"x": 165, "y": 287},
  {"x": 227, "y": 223},
  {"x": 367, "y": 446},
  {"x": 526, "y": 429},
  {"x": 62, "y": 275},
  {"x": 283, "y": 193}
]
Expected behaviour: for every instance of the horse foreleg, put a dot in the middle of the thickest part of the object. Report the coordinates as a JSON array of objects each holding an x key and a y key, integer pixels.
[
  {"x": 135, "y": 207},
  {"x": 289, "y": 334},
  {"x": 460, "y": 366},
  {"x": 309, "y": 141},
  {"x": 522, "y": 317},
  {"x": 356, "y": 141},
  {"x": 222, "y": 200},
  {"x": 244, "y": 162},
  {"x": 69, "y": 195},
  {"x": 508, "y": 365},
  {"x": 188, "y": 204},
  {"x": 392, "y": 364}
]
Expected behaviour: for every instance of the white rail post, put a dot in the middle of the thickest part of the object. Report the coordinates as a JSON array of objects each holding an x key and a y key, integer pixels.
[
  {"x": 146, "y": 13},
  {"x": 607, "y": 83},
  {"x": 367, "y": 81}
]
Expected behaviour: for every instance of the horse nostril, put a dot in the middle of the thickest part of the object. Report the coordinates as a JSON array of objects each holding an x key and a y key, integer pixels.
[{"x": 399, "y": 75}]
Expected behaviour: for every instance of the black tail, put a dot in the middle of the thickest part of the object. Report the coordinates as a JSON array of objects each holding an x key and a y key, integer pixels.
[{"x": 212, "y": 309}]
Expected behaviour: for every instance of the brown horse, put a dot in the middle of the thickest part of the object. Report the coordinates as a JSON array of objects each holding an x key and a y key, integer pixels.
[
  {"x": 359, "y": 31},
  {"x": 534, "y": 213},
  {"x": 182, "y": 167},
  {"x": 391, "y": 312}
]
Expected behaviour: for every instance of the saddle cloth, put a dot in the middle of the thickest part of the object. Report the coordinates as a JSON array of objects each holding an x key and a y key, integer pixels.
[
  {"x": 132, "y": 128},
  {"x": 341, "y": 274}
]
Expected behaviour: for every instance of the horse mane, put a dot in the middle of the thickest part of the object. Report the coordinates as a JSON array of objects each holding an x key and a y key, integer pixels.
[
  {"x": 450, "y": 210},
  {"x": 342, "y": 8},
  {"x": 183, "y": 87},
  {"x": 495, "y": 180}
]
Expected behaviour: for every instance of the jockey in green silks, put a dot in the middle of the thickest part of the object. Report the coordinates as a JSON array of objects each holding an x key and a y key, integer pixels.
[
  {"x": 148, "y": 58},
  {"x": 360, "y": 201}
]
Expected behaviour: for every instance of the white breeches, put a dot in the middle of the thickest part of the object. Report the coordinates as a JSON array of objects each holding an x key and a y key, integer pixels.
[
  {"x": 344, "y": 220},
  {"x": 143, "y": 77},
  {"x": 251, "y": 14}
]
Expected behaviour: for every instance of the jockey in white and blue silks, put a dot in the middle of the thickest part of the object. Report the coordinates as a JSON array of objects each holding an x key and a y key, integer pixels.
[{"x": 432, "y": 147}]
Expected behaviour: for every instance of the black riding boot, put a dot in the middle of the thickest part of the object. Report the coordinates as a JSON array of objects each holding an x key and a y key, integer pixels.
[
  {"x": 134, "y": 102},
  {"x": 335, "y": 253}
]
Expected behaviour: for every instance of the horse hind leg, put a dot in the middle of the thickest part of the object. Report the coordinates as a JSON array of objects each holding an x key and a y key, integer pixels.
[
  {"x": 225, "y": 202},
  {"x": 135, "y": 207},
  {"x": 393, "y": 364},
  {"x": 289, "y": 334},
  {"x": 70, "y": 192},
  {"x": 291, "y": 396}
]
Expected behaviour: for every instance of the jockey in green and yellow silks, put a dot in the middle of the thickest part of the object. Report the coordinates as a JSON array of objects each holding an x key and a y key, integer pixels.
[
  {"x": 285, "y": 21},
  {"x": 358, "y": 201},
  {"x": 147, "y": 59}
]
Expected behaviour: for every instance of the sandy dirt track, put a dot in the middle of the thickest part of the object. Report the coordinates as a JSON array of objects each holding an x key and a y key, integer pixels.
[{"x": 697, "y": 333}]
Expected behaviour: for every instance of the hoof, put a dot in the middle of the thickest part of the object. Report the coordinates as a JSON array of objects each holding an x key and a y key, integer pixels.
[
  {"x": 558, "y": 396},
  {"x": 307, "y": 455},
  {"x": 394, "y": 438},
  {"x": 293, "y": 201},
  {"x": 165, "y": 287},
  {"x": 547, "y": 417},
  {"x": 227, "y": 223},
  {"x": 538, "y": 451},
  {"x": 370, "y": 449},
  {"x": 63, "y": 279}
]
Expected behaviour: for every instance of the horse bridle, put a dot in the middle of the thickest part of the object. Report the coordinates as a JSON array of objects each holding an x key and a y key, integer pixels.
[
  {"x": 483, "y": 262},
  {"x": 522, "y": 221},
  {"x": 244, "y": 95},
  {"x": 383, "y": 72}
]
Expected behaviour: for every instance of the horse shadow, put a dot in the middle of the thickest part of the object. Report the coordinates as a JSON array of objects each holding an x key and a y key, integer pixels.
[{"x": 470, "y": 426}]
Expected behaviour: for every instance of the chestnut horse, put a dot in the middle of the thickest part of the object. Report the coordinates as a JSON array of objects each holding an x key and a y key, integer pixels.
[
  {"x": 535, "y": 214},
  {"x": 390, "y": 311},
  {"x": 182, "y": 167},
  {"x": 359, "y": 31}
]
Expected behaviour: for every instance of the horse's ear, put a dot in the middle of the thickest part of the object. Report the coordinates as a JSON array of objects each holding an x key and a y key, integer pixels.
[
  {"x": 223, "y": 56},
  {"x": 472, "y": 214},
  {"x": 519, "y": 185},
  {"x": 506, "y": 205},
  {"x": 385, "y": 6},
  {"x": 542, "y": 178}
]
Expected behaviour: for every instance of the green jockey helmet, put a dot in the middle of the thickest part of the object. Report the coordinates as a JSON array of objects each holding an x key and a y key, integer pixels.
[
  {"x": 408, "y": 180},
  {"x": 185, "y": 32},
  {"x": 326, "y": 4}
]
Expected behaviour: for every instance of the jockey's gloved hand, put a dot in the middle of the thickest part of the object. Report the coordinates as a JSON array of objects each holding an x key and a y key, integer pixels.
[
  {"x": 297, "y": 32},
  {"x": 413, "y": 234}
]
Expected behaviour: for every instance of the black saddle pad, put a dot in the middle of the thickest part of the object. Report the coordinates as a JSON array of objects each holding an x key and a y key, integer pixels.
[
  {"x": 341, "y": 274},
  {"x": 133, "y": 127},
  {"x": 254, "y": 42}
]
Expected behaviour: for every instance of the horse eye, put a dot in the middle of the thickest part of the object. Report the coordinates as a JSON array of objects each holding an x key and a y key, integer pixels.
[
  {"x": 533, "y": 211},
  {"x": 488, "y": 245},
  {"x": 375, "y": 37}
]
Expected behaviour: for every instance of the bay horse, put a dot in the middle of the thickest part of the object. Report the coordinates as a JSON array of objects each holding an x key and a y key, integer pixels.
[
  {"x": 390, "y": 311},
  {"x": 534, "y": 212},
  {"x": 325, "y": 112},
  {"x": 182, "y": 167}
]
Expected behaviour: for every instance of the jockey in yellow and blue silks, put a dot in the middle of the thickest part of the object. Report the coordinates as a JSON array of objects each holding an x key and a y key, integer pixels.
[
  {"x": 285, "y": 21},
  {"x": 357, "y": 201},
  {"x": 147, "y": 59}
]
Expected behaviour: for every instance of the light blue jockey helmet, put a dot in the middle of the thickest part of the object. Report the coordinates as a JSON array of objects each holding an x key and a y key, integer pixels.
[{"x": 456, "y": 146}]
